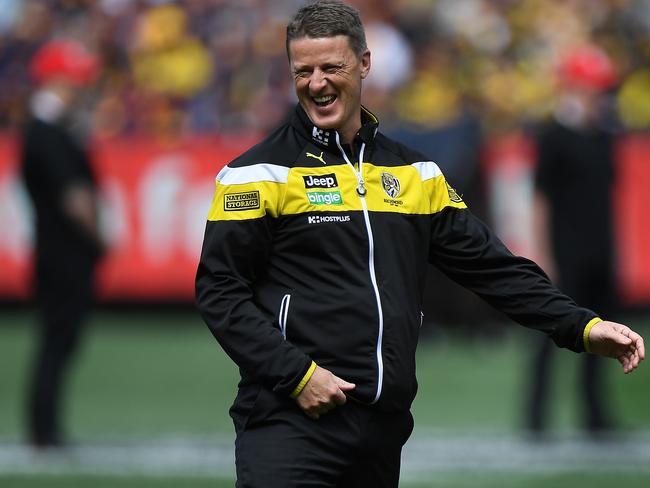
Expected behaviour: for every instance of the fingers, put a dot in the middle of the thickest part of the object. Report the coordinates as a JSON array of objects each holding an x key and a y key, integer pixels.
[
  {"x": 317, "y": 411},
  {"x": 339, "y": 398},
  {"x": 618, "y": 341},
  {"x": 634, "y": 351},
  {"x": 323, "y": 393},
  {"x": 638, "y": 344},
  {"x": 629, "y": 361},
  {"x": 631, "y": 356},
  {"x": 344, "y": 385}
]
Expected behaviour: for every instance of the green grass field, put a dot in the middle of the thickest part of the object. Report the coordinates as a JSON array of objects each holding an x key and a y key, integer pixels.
[
  {"x": 465, "y": 480},
  {"x": 157, "y": 385}
]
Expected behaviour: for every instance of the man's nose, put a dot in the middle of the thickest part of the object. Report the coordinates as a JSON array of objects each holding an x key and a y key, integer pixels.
[{"x": 317, "y": 81}]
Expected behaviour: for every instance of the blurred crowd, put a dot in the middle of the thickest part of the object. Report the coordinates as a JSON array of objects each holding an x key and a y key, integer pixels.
[{"x": 186, "y": 66}]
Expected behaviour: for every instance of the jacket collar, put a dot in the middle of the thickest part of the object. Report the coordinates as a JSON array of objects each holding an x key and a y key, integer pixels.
[{"x": 326, "y": 137}]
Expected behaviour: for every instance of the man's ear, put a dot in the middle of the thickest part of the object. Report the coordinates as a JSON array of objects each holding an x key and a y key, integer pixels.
[{"x": 365, "y": 64}]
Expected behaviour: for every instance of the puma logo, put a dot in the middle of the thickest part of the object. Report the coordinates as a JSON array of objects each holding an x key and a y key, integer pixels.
[{"x": 320, "y": 158}]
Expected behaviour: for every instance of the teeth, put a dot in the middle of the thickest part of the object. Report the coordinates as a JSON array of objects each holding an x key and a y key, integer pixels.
[{"x": 325, "y": 99}]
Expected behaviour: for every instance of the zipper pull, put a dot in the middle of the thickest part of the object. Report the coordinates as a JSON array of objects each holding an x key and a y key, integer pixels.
[{"x": 361, "y": 188}]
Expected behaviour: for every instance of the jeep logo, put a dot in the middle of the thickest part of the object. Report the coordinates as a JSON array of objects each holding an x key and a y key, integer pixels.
[{"x": 322, "y": 181}]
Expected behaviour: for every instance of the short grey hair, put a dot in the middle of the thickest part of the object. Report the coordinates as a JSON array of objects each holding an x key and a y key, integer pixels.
[{"x": 328, "y": 18}]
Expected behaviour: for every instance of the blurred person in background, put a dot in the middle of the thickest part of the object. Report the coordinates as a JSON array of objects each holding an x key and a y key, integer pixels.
[
  {"x": 574, "y": 180},
  {"x": 312, "y": 271},
  {"x": 59, "y": 177}
]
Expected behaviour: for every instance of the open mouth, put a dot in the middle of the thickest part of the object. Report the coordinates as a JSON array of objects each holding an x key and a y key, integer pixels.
[{"x": 324, "y": 101}]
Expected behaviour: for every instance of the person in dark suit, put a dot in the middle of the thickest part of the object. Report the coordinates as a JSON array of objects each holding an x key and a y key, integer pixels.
[
  {"x": 574, "y": 179},
  {"x": 59, "y": 177}
]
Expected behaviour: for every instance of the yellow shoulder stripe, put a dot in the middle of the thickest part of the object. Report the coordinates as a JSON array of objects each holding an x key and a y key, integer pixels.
[{"x": 266, "y": 189}]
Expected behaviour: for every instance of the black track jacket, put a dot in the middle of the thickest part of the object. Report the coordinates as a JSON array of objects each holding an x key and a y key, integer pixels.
[{"x": 306, "y": 259}]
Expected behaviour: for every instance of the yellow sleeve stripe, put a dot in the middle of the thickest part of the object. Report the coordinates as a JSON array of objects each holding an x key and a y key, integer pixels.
[
  {"x": 585, "y": 334},
  {"x": 441, "y": 195},
  {"x": 304, "y": 380},
  {"x": 249, "y": 192},
  {"x": 246, "y": 200}
]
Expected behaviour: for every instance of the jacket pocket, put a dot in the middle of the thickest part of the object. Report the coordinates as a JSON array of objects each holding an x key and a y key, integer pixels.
[
  {"x": 243, "y": 406},
  {"x": 283, "y": 316}
]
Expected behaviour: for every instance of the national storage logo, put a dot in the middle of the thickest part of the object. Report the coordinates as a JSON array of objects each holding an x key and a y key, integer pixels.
[
  {"x": 325, "y": 197},
  {"x": 247, "y": 200}
]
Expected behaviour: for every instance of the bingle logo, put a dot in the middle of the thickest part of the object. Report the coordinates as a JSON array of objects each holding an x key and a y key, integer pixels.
[
  {"x": 325, "y": 197},
  {"x": 321, "y": 181}
]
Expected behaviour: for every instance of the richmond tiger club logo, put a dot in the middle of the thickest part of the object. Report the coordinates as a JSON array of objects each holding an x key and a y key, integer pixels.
[{"x": 391, "y": 185}]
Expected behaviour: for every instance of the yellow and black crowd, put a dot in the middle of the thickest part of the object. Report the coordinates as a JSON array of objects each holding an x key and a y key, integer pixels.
[{"x": 187, "y": 66}]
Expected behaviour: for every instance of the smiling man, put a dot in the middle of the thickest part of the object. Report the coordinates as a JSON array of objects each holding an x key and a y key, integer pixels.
[
  {"x": 328, "y": 74},
  {"x": 312, "y": 271}
]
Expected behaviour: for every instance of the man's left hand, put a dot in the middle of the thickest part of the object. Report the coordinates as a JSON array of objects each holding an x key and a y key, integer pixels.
[{"x": 617, "y": 341}]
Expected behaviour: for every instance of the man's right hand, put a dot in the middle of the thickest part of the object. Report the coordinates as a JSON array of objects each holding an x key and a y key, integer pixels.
[{"x": 322, "y": 393}]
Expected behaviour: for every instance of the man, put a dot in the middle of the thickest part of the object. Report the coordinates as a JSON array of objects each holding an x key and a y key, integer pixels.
[
  {"x": 61, "y": 183},
  {"x": 574, "y": 180},
  {"x": 312, "y": 268}
]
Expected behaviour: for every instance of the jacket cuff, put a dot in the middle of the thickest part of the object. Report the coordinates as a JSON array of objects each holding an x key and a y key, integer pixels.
[
  {"x": 304, "y": 380},
  {"x": 585, "y": 333}
]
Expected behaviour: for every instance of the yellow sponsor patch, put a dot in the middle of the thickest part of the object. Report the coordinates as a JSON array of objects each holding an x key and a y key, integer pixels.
[
  {"x": 247, "y": 200},
  {"x": 453, "y": 195}
]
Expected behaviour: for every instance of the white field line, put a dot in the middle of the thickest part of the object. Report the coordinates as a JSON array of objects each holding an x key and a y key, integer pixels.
[{"x": 424, "y": 456}]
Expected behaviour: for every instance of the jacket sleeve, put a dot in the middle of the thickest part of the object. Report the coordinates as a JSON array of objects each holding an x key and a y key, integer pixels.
[
  {"x": 236, "y": 247},
  {"x": 467, "y": 251}
]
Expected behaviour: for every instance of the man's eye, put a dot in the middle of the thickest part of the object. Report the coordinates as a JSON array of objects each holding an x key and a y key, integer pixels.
[
  {"x": 333, "y": 69},
  {"x": 302, "y": 74}
]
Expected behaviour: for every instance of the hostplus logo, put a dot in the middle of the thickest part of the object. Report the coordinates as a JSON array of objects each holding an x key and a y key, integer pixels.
[{"x": 324, "y": 219}]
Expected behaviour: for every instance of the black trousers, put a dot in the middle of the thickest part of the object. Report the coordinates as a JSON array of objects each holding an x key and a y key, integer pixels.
[
  {"x": 64, "y": 297},
  {"x": 591, "y": 284},
  {"x": 352, "y": 446}
]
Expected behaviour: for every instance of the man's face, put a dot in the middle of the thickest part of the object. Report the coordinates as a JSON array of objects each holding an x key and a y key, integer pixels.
[{"x": 327, "y": 76}]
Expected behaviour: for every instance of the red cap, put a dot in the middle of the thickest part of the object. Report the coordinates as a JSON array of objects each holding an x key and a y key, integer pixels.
[
  {"x": 64, "y": 59},
  {"x": 588, "y": 67}
]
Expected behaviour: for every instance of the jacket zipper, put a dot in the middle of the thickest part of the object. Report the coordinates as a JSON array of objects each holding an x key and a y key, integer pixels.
[
  {"x": 283, "y": 316},
  {"x": 361, "y": 190}
]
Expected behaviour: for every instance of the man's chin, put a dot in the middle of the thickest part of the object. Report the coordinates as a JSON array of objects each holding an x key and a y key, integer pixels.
[{"x": 327, "y": 122}]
